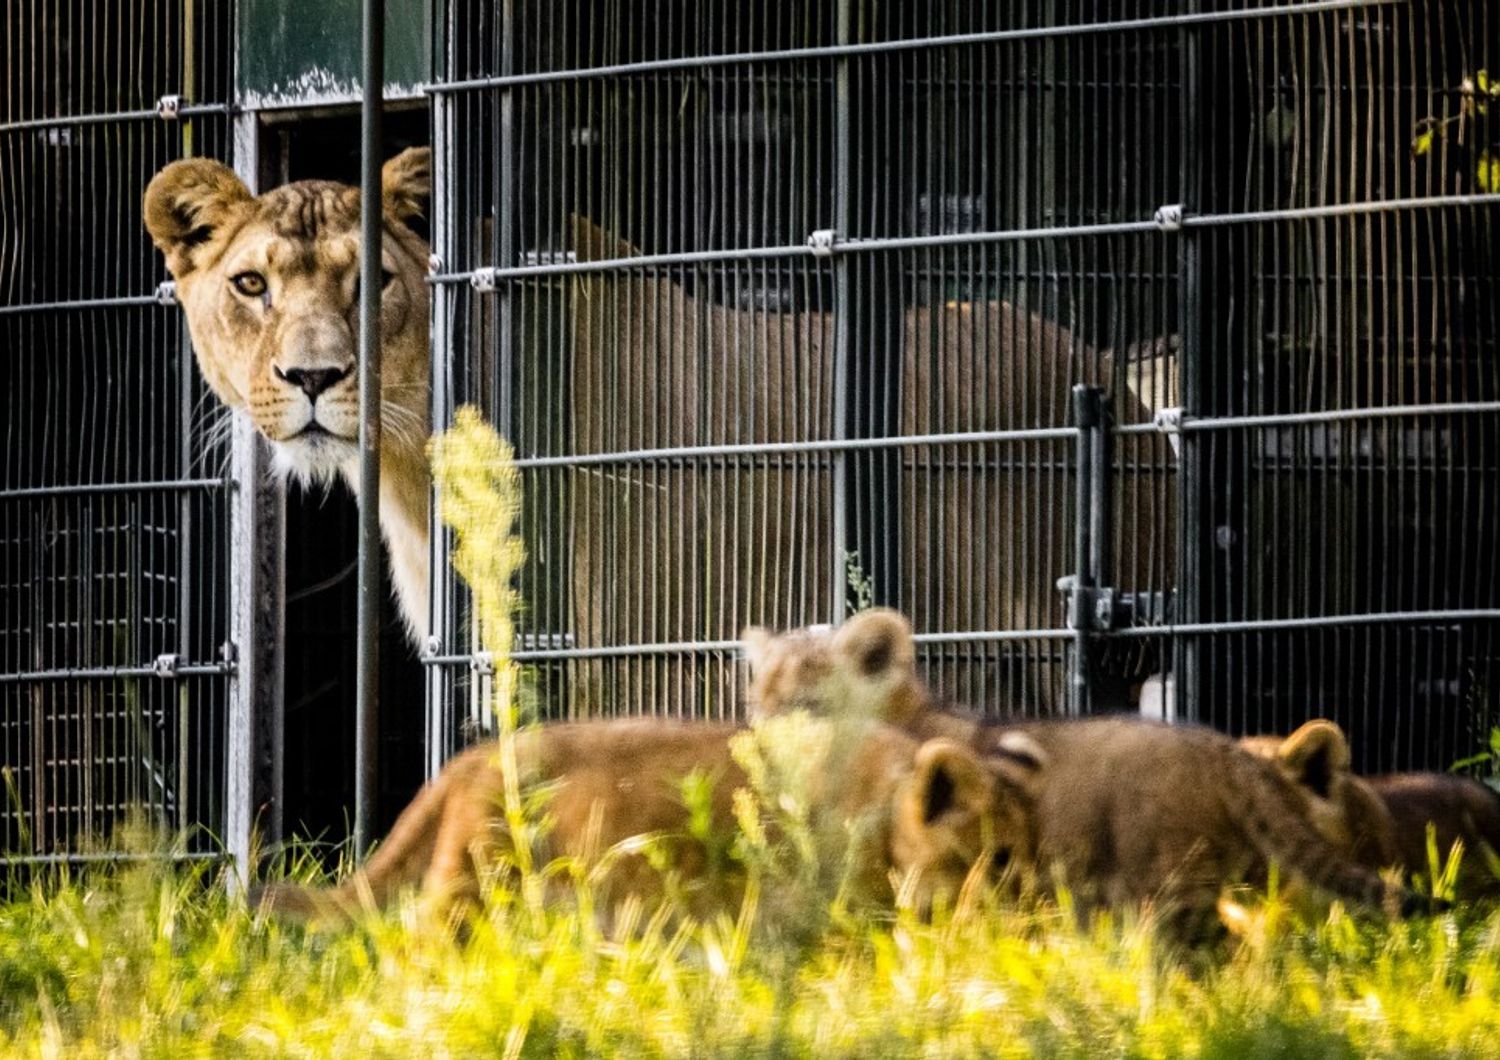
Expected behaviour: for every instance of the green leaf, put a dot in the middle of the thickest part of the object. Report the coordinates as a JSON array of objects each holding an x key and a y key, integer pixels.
[
  {"x": 1487, "y": 174},
  {"x": 1422, "y": 143}
]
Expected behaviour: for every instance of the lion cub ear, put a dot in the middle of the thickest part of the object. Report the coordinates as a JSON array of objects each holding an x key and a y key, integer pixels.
[
  {"x": 879, "y": 644},
  {"x": 406, "y": 182},
  {"x": 949, "y": 782},
  {"x": 1315, "y": 754},
  {"x": 186, "y": 203}
]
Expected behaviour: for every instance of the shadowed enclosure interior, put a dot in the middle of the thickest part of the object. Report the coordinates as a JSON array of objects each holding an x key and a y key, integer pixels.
[{"x": 783, "y": 305}]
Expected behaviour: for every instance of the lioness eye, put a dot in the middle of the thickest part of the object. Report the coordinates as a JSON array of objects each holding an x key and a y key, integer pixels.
[{"x": 249, "y": 284}]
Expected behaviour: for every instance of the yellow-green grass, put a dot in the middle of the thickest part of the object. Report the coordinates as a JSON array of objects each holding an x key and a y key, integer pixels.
[{"x": 146, "y": 959}]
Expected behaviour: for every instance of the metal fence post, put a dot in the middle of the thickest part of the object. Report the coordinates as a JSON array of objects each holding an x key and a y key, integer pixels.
[
  {"x": 1090, "y": 539},
  {"x": 255, "y": 740},
  {"x": 367, "y": 675},
  {"x": 842, "y": 322},
  {"x": 1187, "y": 651}
]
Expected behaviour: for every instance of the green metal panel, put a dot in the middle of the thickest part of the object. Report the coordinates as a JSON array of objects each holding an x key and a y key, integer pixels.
[{"x": 306, "y": 52}]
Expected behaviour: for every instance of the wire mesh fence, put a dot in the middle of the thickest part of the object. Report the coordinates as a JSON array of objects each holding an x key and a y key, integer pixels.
[
  {"x": 784, "y": 305},
  {"x": 114, "y": 484}
]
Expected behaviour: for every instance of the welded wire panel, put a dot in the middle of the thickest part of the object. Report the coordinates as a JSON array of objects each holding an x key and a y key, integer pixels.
[
  {"x": 1360, "y": 513},
  {"x": 113, "y": 495},
  {"x": 702, "y": 405}
]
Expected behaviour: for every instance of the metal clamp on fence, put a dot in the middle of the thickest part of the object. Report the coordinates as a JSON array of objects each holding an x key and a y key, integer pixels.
[
  {"x": 166, "y": 293},
  {"x": 1169, "y": 218},
  {"x": 483, "y": 279},
  {"x": 166, "y": 665},
  {"x": 822, "y": 243},
  {"x": 169, "y": 108},
  {"x": 483, "y": 664}
]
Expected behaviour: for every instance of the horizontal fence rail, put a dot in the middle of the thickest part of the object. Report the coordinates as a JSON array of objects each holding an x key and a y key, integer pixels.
[
  {"x": 485, "y": 279},
  {"x": 836, "y": 51}
]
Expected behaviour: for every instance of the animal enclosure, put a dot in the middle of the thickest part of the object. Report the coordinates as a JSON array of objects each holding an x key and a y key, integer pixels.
[{"x": 785, "y": 306}]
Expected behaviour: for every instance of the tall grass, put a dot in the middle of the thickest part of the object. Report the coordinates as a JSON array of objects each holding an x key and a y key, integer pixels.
[{"x": 144, "y": 960}]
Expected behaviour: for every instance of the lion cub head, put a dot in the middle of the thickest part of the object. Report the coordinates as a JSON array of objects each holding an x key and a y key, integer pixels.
[
  {"x": 867, "y": 667},
  {"x": 270, "y": 288},
  {"x": 1343, "y": 808}
]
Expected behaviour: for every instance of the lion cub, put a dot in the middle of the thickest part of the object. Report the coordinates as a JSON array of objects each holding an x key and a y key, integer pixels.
[
  {"x": 1342, "y": 806},
  {"x": 1124, "y": 810},
  {"x": 1458, "y": 808},
  {"x": 930, "y": 809}
]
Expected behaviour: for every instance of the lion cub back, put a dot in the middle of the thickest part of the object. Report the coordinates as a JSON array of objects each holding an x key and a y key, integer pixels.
[
  {"x": 1341, "y": 805},
  {"x": 1136, "y": 811},
  {"x": 1458, "y": 808},
  {"x": 616, "y": 801}
]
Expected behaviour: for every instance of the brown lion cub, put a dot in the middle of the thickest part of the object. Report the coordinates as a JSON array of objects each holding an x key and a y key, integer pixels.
[
  {"x": 1342, "y": 806},
  {"x": 1125, "y": 810},
  {"x": 1458, "y": 808},
  {"x": 929, "y": 809}
]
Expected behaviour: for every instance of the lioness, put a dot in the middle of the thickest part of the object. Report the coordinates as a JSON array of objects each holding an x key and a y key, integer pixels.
[
  {"x": 269, "y": 286},
  {"x": 930, "y": 809},
  {"x": 1126, "y": 810}
]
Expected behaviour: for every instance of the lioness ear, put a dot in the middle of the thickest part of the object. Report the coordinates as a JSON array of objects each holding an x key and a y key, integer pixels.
[
  {"x": 186, "y": 203},
  {"x": 406, "y": 182},
  {"x": 1314, "y": 754},
  {"x": 878, "y": 642}
]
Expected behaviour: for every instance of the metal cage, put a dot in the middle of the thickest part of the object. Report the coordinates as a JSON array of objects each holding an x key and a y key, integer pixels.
[
  {"x": 784, "y": 306},
  {"x": 1145, "y": 352},
  {"x": 115, "y": 482}
]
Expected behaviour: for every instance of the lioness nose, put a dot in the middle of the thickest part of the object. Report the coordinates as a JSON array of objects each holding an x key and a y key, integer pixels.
[{"x": 313, "y": 381}]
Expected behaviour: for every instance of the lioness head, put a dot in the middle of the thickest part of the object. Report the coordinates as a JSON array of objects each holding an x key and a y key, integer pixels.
[
  {"x": 270, "y": 287},
  {"x": 1344, "y": 809}
]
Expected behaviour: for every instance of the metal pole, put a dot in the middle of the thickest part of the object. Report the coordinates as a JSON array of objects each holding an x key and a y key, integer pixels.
[
  {"x": 255, "y": 740},
  {"x": 1088, "y": 524},
  {"x": 367, "y": 678},
  {"x": 842, "y": 320}
]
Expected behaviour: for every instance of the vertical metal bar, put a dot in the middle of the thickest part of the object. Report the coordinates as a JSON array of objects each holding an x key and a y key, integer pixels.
[
  {"x": 367, "y": 674},
  {"x": 1088, "y": 497},
  {"x": 842, "y": 321},
  {"x": 1187, "y": 652},
  {"x": 257, "y": 608},
  {"x": 481, "y": 711},
  {"x": 441, "y": 619}
]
